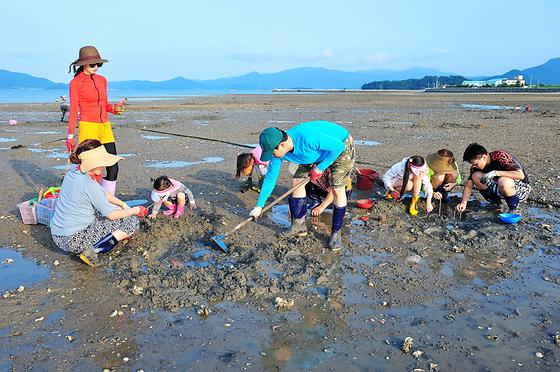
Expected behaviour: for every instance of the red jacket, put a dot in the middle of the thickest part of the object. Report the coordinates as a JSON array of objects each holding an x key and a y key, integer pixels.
[{"x": 88, "y": 94}]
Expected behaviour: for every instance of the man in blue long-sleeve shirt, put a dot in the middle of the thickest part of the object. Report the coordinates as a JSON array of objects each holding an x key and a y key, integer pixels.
[{"x": 315, "y": 146}]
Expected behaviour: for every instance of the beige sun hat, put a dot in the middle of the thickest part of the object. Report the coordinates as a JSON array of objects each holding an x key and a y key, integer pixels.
[
  {"x": 442, "y": 161},
  {"x": 98, "y": 157}
]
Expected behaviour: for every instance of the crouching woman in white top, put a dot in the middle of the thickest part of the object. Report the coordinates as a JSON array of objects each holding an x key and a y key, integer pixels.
[{"x": 86, "y": 221}]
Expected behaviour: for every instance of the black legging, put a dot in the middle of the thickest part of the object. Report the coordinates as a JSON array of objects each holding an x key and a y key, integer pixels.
[{"x": 113, "y": 170}]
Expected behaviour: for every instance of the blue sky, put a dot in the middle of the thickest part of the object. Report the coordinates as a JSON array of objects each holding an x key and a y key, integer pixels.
[{"x": 158, "y": 40}]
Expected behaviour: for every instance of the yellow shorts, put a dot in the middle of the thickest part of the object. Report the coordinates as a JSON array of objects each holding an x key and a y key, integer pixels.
[{"x": 98, "y": 131}]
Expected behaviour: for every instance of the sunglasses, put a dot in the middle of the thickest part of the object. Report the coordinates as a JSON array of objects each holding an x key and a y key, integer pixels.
[{"x": 92, "y": 65}]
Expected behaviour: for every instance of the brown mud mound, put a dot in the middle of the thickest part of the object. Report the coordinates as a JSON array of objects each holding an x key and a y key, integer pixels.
[{"x": 171, "y": 265}]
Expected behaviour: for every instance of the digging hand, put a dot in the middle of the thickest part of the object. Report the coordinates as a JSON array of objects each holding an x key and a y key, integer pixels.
[
  {"x": 70, "y": 143},
  {"x": 449, "y": 186},
  {"x": 429, "y": 207},
  {"x": 255, "y": 212},
  {"x": 396, "y": 195},
  {"x": 315, "y": 173},
  {"x": 461, "y": 207},
  {"x": 142, "y": 211},
  {"x": 437, "y": 195}
]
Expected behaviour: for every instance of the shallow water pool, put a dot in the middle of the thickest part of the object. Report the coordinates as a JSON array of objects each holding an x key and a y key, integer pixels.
[{"x": 16, "y": 270}]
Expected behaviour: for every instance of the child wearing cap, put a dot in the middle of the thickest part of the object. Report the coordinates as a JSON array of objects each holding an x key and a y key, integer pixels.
[
  {"x": 173, "y": 194},
  {"x": 443, "y": 173},
  {"x": 496, "y": 175},
  {"x": 409, "y": 175}
]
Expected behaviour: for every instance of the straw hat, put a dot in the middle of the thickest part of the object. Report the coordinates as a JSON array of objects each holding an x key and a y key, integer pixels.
[
  {"x": 88, "y": 54},
  {"x": 440, "y": 163},
  {"x": 98, "y": 157}
]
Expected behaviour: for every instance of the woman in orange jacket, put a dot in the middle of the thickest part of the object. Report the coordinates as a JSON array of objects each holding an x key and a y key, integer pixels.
[{"x": 88, "y": 95}]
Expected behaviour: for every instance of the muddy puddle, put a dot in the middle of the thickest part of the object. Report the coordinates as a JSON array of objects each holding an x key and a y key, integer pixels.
[
  {"x": 49, "y": 132},
  {"x": 403, "y": 123},
  {"x": 153, "y": 137},
  {"x": 16, "y": 271},
  {"x": 474, "y": 106},
  {"x": 281, "y": 122},
  {"x": 366, "y": 143},
  {"x": 166, "y": 164}
]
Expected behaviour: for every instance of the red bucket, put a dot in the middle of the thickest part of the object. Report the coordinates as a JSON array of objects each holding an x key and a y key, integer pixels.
[{"x": 366, "y": 178}]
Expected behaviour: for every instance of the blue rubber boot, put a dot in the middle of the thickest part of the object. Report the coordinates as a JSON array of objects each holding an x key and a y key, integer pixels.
[
  {"x": 512, "y": 202},
  {"x": 106, "y": 243},
  {"x": 298, "y": 211},
  {"x": 335, "y": 242}
]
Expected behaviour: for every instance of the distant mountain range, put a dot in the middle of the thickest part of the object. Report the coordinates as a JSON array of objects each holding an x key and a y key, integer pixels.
[
  {"x": 10, "y": 80},
  {"x": 305, "y": 77}
]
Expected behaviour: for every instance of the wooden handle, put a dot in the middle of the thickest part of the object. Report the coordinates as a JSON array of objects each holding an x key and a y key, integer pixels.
[{"x": 267, "y": 207}]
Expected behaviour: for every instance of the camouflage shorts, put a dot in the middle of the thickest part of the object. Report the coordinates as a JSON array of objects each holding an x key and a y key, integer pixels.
[{"x": 340, "y": 169}]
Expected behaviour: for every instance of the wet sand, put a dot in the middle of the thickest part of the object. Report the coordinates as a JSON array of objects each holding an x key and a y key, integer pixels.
[{"x": 473, "y": 293}]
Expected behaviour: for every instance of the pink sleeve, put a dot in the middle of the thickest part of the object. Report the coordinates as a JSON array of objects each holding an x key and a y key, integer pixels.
[{"x": 257, "y": 152}]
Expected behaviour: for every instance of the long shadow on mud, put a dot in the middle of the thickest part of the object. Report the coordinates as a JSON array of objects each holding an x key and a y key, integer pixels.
[{"x": 34, "y": 175}]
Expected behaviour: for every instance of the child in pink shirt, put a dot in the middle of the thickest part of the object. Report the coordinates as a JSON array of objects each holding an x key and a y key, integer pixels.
[{"x": 246, "y": 164}]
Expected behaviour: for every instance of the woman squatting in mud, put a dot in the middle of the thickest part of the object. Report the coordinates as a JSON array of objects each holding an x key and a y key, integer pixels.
[
  {"x": 409, "y": 175},
  {"x": 86, "y": 221},
  {"x": 88, "y": 96}
]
